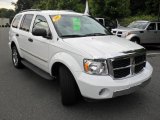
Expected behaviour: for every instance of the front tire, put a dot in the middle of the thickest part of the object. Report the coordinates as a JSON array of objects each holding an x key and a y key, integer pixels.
[
  {"x": 69, "y": 88},
  {"x": 16, "y": 59}
]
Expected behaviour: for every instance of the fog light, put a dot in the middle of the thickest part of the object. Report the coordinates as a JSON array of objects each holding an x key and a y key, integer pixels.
[{"x": 104, "y": 92}]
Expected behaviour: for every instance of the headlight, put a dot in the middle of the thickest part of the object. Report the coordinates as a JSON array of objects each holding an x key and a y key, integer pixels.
[{"x": 96, "y": 67}]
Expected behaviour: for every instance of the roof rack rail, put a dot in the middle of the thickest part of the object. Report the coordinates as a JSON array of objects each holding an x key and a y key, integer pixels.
[{"x": 30, "y": 10}]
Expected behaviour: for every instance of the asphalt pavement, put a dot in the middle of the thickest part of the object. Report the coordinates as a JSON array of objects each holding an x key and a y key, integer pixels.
[{"x": 26, "y": 96}]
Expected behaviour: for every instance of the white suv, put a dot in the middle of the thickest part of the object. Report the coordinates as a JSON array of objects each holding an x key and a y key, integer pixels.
[{"x": 88, "y": 60}]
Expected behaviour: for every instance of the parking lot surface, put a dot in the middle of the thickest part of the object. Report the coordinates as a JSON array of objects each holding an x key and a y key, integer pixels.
[{"x": 26, "y": 96}]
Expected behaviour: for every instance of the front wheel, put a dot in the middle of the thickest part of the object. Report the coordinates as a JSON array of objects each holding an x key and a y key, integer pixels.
[
  {"x": 16, "y": 59},
  {"x": 69, "y": 89}
]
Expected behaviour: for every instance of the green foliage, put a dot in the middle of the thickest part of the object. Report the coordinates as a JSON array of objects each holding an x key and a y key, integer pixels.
[
  {"x": 126, "y": 21},
  {"x": 6, "y": 13},
  {"x": 110, "y": 8},
  {"x": 75, "y": 5},
  {"x": 152, "y": 6}
]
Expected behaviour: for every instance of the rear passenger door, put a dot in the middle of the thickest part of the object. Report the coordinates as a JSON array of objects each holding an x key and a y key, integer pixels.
[
  {"x": 39, "y": 47},
  {"x": 14, "y": 31},
  {"x": 24, "y": 34},
  {"x": 151, "y": 34}
]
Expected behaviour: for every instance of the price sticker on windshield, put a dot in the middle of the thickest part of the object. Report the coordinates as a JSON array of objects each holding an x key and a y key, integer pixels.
[
  {"x": 76, "y": 24},
  {"x": 56, "y": 18}
]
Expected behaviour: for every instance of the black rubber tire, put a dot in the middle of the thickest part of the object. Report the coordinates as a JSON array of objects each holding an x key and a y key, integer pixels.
[
  {"x": 17, "y": 64},
  {"x": 135, "y": 40},
  {"x": 69, "y": 88}
]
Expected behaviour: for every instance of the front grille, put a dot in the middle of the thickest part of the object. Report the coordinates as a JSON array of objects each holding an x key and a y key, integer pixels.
[
  {"x": 127, "y": 65},
  {"x": 114, "y": 31},
  {"x": 138, "y": 68},
  {"x": 119, "y": 32},
  {"x": 121, "y": 73},
  {"x": 121, "y": 63}
]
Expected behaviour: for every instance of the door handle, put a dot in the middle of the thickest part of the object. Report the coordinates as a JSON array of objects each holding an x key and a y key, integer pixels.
[
  {"x": 30, "y": 40},
  {"x": 17, "y": 35}
]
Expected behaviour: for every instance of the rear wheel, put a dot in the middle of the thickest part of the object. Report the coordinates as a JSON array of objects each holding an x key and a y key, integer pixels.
[
  {"x": 16, "y": 59},
  {"x": 69, "y": 89},
  {"x": 135, "y": 40}
]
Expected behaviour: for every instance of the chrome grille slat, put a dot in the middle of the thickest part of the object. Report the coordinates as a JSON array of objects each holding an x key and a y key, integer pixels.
[{"x": 122, "y": 67}]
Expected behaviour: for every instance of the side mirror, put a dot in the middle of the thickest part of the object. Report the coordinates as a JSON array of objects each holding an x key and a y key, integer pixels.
[{"x": 39, "y": 32}]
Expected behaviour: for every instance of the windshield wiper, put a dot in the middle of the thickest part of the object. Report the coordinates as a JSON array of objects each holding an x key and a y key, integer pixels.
[
  {"x": 96, "y": 34},
  {"x": 68, "y": 36}
]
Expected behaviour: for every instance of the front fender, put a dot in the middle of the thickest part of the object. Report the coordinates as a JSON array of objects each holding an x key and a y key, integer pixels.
[
  {"x": 129, "y": 37},
  {"x": 66, "y": 59}
]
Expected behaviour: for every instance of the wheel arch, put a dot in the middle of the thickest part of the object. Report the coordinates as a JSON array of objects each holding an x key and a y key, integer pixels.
[
  {"x": 131, "y": 36},
  {"x": 136, "y": 37},
  {"x": 55, "y": 71},
  {"x": 14, "y": 42},
  {"x": 64, "y": 59}
]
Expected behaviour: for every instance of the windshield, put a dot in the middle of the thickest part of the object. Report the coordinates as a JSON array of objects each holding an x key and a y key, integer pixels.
[
  {"x": 139, "y": 25},
  {"x": 78, "y": 26}
]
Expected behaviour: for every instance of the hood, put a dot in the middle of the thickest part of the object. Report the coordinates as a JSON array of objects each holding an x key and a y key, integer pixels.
[
  {"x": 102, "y": 46},
  {"x": 123, "y": 29}
]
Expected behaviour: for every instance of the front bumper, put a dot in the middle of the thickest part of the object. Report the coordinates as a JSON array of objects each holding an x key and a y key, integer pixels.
[
  {"x": 104, "y": 87},
  {"x": 132, "y": 89}
]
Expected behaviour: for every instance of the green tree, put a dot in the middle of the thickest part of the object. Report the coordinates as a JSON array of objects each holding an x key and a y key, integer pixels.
[
  {"x": 152, "y": 7},
  {"x": 110, "y": 8},
  {"x": 6, "y": 13},
  {"x": 75, "y": 5}
]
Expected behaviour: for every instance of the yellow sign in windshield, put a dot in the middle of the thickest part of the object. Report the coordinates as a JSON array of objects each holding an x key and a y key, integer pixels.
[{"x": 56, "y": 18}]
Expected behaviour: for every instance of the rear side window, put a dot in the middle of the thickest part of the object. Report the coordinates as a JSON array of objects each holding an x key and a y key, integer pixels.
[
  {"x": 26, "y": 22},
  {"x": 16, "y": 21}
]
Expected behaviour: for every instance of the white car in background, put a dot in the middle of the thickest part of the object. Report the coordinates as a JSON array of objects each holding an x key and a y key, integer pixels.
[
  {"x": 87, "y": 59},
  {"x": 141, "y": 32}
]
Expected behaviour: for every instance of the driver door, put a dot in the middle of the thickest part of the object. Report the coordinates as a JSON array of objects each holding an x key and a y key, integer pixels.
[
  {"x": 39, "y": 46},
  {"x": 151, "y": 34}
]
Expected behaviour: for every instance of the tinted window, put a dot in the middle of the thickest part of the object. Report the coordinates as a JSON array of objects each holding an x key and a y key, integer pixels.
[
  {"x": 152, "y": 26},
  {"x": 41, "y": 23},
  {"x": 16, "y": 21},
  {"x": 158, "y": 26},
  {"x": 26, "y": 22}
]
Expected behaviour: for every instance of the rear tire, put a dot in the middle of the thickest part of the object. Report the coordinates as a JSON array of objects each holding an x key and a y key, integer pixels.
[
  {"x": 16, "y": 59},
  {"x": 135, "y": 40},
  {"x": 69, "y": 89}
]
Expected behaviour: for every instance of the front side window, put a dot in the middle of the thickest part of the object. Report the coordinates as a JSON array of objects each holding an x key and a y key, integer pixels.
[
  {"x": 26, "y": 22},
  {"x": 152, "y": 26},
  {"x": 16, "y": 21},
  {"x": 78, "y": 26},
  {"x": 41, "y": 23}
]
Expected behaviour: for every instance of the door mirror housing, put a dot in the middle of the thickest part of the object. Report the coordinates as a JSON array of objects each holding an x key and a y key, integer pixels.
[{"x": 39, "y": 32}]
